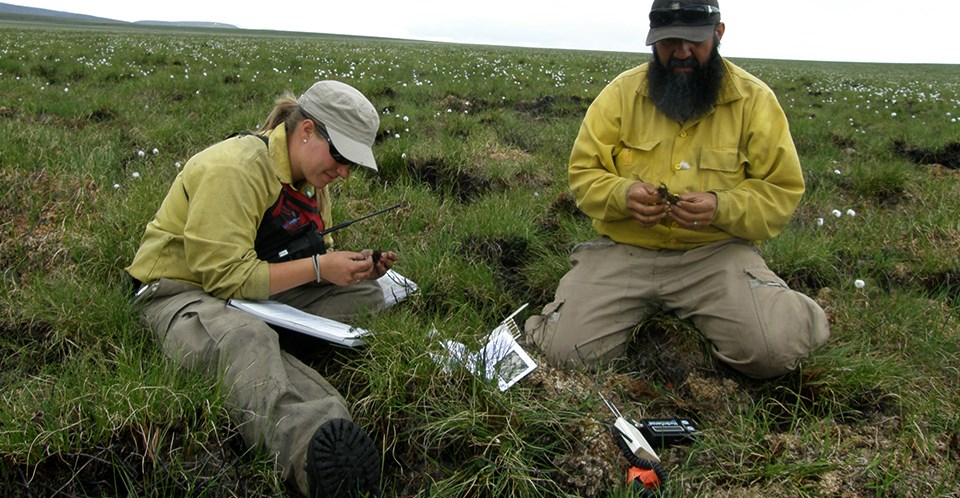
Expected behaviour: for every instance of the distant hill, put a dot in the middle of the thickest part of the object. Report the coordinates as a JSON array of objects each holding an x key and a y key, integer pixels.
[
  {"x": 6, "y": 8},
  {"x": 187, "y": 24},
  {"x": 10, "y": 10}
]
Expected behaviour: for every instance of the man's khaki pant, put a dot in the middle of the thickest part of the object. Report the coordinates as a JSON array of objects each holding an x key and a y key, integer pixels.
[
  {"x": 754, "y": 322},
  {"x": 277, "y": 401}
]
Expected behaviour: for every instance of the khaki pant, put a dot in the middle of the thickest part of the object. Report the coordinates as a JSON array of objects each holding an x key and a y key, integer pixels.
[
  {"x": 277, "y": 401},
  {"x": 753, "y": 321}
]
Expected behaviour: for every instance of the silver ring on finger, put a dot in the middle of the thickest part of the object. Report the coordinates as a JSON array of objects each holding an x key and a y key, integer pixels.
[{"x": 696, "y": 224}]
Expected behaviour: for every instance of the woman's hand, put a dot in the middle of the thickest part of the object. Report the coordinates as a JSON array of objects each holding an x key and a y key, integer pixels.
[
  {"x": 381, "y": 261},
  {"x": 345, "y": 267}
]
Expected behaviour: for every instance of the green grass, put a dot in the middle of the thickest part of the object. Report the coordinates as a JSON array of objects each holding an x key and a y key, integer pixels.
[{"x": 474, "y": 142}]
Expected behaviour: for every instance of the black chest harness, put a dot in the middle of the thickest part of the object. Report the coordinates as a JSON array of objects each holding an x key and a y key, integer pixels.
[{"x": 291, "y": 228}]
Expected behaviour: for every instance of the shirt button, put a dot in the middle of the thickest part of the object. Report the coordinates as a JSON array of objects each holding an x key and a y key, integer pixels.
[
  {"x": 677, "y": 167},
  {"x": 683, "y": 134}
]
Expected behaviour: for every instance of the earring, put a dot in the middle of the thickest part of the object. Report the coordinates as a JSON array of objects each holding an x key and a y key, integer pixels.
[{"x": 304, "y": 140}]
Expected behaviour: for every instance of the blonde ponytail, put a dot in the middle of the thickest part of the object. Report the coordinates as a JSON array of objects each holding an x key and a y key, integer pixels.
[{"x": 285, "y": 110}]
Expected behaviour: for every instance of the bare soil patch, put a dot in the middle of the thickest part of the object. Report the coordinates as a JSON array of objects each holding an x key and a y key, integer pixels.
[{"x": 947, "y": 156}]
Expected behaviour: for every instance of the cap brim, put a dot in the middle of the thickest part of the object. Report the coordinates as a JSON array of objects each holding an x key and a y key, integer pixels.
[
  {"x": 356, "y": 152},
  {"x": 695, "y": 34}
]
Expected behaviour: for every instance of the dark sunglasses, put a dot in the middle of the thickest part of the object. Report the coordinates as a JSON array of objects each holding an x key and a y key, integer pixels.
[
  {"x": 334, "y": 153},
  {"x": 693, "y": 15}
]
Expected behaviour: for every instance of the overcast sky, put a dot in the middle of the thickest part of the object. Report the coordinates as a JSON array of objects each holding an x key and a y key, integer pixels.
[{"x": 823, "y": 30}]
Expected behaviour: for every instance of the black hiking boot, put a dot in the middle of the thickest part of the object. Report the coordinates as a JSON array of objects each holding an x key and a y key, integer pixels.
[{"x": 342, "y": 461}]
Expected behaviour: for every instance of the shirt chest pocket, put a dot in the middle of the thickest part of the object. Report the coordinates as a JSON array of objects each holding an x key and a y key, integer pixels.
[
  {"x": 634, "y": 159},
  {"x": 721, "y": 169}
]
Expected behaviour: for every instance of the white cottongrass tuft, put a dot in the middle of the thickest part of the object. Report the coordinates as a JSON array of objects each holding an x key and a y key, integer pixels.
[{"x": 859, "y": 283}]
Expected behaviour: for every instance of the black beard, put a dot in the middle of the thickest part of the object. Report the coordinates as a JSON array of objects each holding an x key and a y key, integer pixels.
[{"x": 685, "y": 96}]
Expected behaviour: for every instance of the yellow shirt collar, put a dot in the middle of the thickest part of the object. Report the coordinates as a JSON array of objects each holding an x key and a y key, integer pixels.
[{"x": 279, "y": 155}]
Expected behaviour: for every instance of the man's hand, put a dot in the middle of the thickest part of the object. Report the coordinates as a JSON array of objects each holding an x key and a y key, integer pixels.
[
  {"x": 645, "y": 204},
  {"x": 695, "y": 210}
]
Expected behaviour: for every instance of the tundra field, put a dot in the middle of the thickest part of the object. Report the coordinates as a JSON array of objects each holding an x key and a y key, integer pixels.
[{"x": 474, "y": 141}]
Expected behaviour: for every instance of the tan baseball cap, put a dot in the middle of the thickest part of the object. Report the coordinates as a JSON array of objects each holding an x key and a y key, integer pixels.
[{"x": 349, "y": 118}]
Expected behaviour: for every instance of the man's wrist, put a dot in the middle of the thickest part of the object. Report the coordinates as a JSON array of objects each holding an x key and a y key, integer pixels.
[{"x": 716, "y": 206}]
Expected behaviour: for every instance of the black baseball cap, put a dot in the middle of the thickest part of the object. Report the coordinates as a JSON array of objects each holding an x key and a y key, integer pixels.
[{"x": 694, "y": 20}]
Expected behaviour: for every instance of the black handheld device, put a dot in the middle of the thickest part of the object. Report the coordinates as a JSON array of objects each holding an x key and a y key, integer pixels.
[
  {"x": 664, "y": 432},
  {"x": 311, "y": 242}
]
